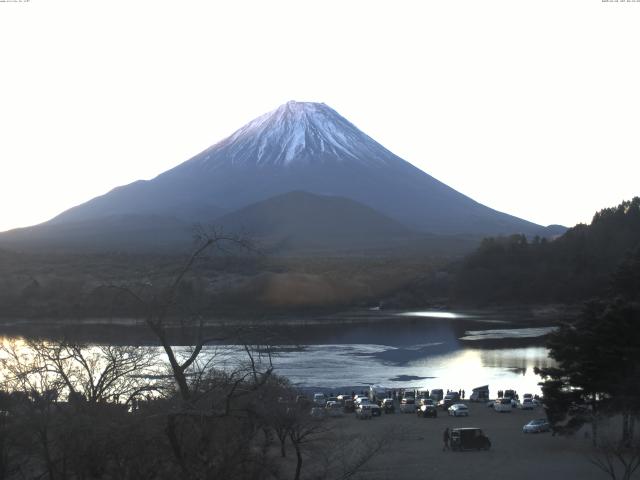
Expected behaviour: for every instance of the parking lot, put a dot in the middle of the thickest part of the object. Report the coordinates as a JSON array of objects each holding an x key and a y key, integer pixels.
[{"x": 412, "y": 447}]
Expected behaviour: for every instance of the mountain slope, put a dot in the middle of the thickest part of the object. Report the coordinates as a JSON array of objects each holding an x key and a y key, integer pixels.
[
  {"x": 302, "y": 147},
  {"x": 301, "y": 220},
  {"x": 110, "y": 233}
]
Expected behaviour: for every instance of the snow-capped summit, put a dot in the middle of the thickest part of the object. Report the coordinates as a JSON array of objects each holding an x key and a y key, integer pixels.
[{"x": 296, "y": 132}]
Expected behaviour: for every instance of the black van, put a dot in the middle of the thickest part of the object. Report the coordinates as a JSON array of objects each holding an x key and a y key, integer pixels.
[
  {"x": 469, "y": 439},
  {"x": 436, "y": 394}
]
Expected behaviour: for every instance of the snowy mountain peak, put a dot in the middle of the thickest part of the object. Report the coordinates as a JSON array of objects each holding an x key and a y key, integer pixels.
[{"x": 296, "y": 133}]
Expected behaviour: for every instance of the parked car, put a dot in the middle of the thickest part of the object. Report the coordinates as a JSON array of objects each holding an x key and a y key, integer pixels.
[
  {"x": 436, "y": 394},
  {"x": 388, "y": 405},
  {"x": 458, "y": 410},
  {"x": 409, "y": 394},
  {"x": 448, "y": 400},
  {"x": 426, "y": 401},
  {"x": 376, "y": 411},
  {"x": 408, "y": 405},
  {"x": 537, "y": 426},
  {"x": 334, "y": 409},
  {"x": 319, "y": 399},
  {"x": 480, "y": 394},
  {"x": 527, "y": 404},
  {"x": 502, "y": 405},
  {"x": 510, "y": 394},
  {"x": 363, "y": 412},
  {"x": 469, "y": 439},
  {"x": 427, "y": 411}
]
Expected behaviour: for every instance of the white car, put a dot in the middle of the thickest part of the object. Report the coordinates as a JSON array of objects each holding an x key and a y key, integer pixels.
[
  {"x": 502, "y": 405},
  {"x": 458, "y": 410},
  {"x": 527, "y": 404},
  {"x": 363, "y": 412},
  {"x": 536, "y": 426}
]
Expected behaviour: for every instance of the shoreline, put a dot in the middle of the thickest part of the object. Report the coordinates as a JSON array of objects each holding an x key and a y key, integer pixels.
[{"x": 511, "y": 315}]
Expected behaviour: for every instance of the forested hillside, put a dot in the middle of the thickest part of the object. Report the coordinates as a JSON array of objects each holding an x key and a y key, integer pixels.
[{"x": 573, "y": 267}]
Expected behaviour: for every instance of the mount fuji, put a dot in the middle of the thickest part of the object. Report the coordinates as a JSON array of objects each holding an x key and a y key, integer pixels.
[{"x": 299, "y": 147}]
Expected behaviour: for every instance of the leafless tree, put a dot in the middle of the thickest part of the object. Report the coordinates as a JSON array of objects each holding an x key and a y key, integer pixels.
[
  {"x": 158, "y": 303},
  {"x": 618, "y": 459},
  {"x": 303, "y": 432},
  {"x": 102, "y": 373},
  {"x": 61, "y": 394}
]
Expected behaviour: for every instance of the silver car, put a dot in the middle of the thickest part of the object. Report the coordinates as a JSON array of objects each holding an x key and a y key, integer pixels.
[
  {"x": 458, "y": 410},
  {"x": 537, "y": 426}
]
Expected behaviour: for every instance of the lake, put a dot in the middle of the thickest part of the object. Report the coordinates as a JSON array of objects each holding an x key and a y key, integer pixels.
[{"x": 437, "y": 349}]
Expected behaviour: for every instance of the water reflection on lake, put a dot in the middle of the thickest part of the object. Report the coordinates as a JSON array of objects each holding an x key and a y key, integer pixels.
[
  {"x": 330, "y": 366},
  {"x": 401, "y": 349}
]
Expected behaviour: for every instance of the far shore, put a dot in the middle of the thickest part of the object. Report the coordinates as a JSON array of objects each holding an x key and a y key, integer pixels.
[{"x": 536, "y": 314}]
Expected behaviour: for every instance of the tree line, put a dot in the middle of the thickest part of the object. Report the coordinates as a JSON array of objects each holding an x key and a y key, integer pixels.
[
  {"x": 572, "y": 268},
  {"x": 596, "y": 380}
]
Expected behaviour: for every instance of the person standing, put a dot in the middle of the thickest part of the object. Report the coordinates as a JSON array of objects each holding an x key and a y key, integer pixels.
[{"x": 445, "y": 439}]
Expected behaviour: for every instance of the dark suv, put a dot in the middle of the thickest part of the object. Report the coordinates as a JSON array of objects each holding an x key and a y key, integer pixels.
[
  {"x": 469, "y": 439},
  {"x": 427, "y": 410}
]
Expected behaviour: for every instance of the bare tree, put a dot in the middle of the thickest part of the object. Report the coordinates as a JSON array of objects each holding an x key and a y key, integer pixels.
[
  {"x": 159, "y": 303},
  {"x": 617, "y": 459},
  {"x": 304, "y": 431},
  {"x": 67, "y": 398},
  {"x": 102, "y": 373}
]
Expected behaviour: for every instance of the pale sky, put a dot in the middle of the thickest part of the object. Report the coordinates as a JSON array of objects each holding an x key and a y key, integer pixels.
[{"x": 530, "y": 107}]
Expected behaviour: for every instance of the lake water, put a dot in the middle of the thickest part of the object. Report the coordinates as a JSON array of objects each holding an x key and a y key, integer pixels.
[{"x": 448, "y": 350}]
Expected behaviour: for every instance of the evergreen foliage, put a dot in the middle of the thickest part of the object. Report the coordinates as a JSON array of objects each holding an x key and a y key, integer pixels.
[
  {"x": 574, "y": 267},
  {"x": 598, "y": 359}
]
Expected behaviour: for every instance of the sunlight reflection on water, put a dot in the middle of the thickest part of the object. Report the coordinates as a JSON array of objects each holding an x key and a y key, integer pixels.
[
  {"x": 434, "y": 314},
  {"x": 452, "y": 351},
  {"x": 334, "y": 366}
]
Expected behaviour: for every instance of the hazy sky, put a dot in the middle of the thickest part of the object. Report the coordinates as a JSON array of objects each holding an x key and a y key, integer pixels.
[{"x": 531, "y": 107}]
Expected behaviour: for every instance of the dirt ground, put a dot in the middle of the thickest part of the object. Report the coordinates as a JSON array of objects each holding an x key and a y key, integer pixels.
[{"x": 413, "y": 447}]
